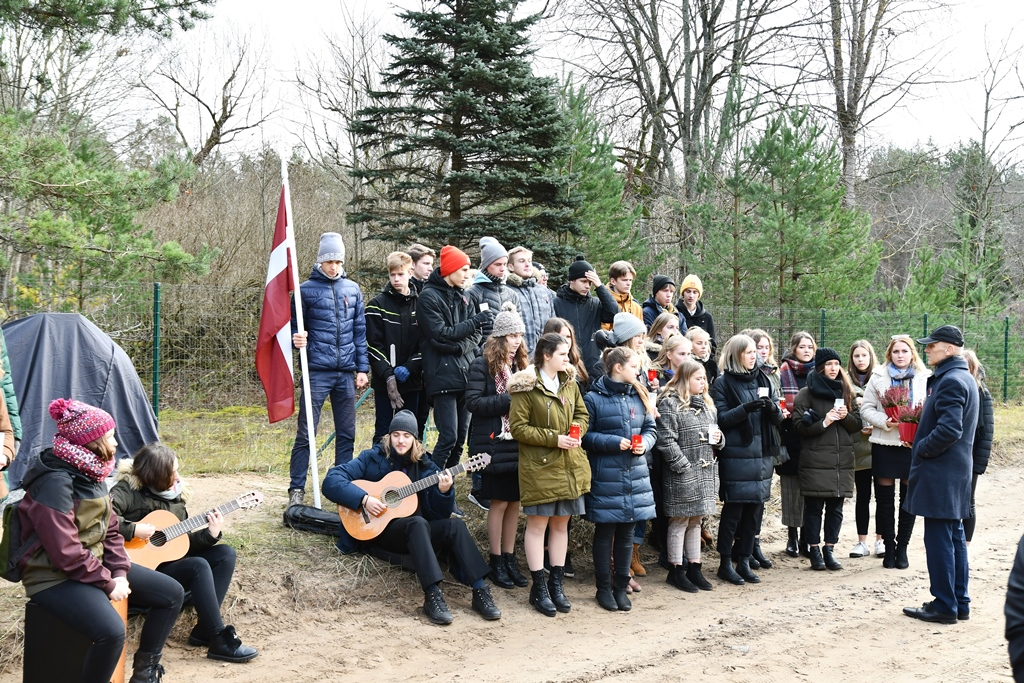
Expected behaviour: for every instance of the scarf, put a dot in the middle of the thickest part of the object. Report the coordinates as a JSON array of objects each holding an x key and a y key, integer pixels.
[
  {"x": 789, "y": 370},
  {"x": 170, "y": 494},
  {"x": 770, "y": 440},
  {"x": 501, "y": 387},
  {"x": 823, "y": 387},
  {"x": 82, "y": 459},
  {"x": 902, "y": 378},
  {"x": 862, "y": 378}
]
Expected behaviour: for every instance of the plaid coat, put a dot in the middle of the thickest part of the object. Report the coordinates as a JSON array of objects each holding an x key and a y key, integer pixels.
[{"x": 689, "y": 486}]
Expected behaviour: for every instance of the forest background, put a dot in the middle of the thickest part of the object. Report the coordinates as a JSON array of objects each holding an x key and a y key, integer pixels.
[{"x": 141, "y": 143}]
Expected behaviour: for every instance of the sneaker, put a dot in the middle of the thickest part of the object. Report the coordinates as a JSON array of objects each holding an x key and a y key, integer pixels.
[
  {"x": 436, "y": 608},
  {"x": 879, "y": 548},
  {"x": 480, "y": 501},
  {"x": 457, "y": 512},
  {"x": 860, "y": 550}
]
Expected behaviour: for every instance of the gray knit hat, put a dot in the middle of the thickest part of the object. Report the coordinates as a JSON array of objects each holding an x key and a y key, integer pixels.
[
  {"x": 404, "y": 421},
  {"x": 490, "y": 251},
  {"x": 508, "y": 321},
  {"x": 332, "y": 248},
  {"x": 626, "y": 326}
]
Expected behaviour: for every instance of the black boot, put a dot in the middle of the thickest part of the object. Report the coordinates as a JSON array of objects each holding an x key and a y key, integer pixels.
[
  {"x": 483, "y": 604},
  {"x": 727, "y": 573},
  {"x": 620, "y": 582},
  {"x": 743, "y": 569},
  {"x": 512, "y": 567},
  {"x": 146, "y": 668},
  {"x": 762, "y": 561},
  {"x": 556, "y": 589},
  {"x": 889, "y": 561},
  {"x": 805, "y": 548},
  {"x": 227, "y": 646},
  {"x": 885, "y": 520},
  {"x": 791, "y": 546},
  {"x": 817, "y": 562},
  {"x": 605, "y": 598},
  {"x": 829, "y": 557},
  {"x": 499, "y": 573},
  {"x": 539, "y": 597},
  {"x": 901, "y": 560},
  {"x": 435, "y": 607},
  {"x": 677, "y": 577},
  {"x": 906, "y": 529},
  {"x": 695, "y": 576}
]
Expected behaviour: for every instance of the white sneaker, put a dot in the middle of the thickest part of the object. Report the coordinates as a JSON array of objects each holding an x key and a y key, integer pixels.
[
  {"x": 860, "y": 550},
  {"x": 879, "y": 548}
]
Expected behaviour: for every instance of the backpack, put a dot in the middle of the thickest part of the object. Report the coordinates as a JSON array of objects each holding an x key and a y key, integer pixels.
[{"x": 10, "y": 552}]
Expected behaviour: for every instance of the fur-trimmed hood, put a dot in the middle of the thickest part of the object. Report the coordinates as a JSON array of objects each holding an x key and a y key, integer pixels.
[
  {"x": 526, "y": 379},
  {"x": 126, "y": 472}
]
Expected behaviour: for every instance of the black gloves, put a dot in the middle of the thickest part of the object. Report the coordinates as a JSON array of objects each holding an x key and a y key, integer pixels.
[
  {"x": 810, "y": 417},
  {"x": 762, "y": 403},
  {"x": 484, "y": 318}
]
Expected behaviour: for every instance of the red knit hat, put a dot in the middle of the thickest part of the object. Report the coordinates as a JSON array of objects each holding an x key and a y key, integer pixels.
[
  {"x": 452, "y": 258},
  {"x": 80, "y": 422}
]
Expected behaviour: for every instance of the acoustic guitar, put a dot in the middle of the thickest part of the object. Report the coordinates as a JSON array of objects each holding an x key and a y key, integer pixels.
[
  {"x": 398, "y": 492},
  {"x": 170, "y": 541}
]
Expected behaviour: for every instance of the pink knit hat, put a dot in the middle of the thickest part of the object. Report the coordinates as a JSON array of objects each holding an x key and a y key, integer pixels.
[{"x": 80, "y": 422}]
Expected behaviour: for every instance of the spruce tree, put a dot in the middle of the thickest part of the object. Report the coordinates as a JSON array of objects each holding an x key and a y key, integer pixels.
[{"x": 466, "y": 138}]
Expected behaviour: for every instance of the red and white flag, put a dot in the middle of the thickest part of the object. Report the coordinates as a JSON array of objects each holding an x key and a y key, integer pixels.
[{"x": 274, "y": 342}]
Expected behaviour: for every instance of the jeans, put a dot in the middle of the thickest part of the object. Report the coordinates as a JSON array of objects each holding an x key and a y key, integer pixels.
[
  {"x": 341, "y": 388},
  {"x": 383, "y": 412},
  {"x": 812, "y": 519},
  {"x": 609, "y": 538},
  {"x": 86, "y": 609},
  {"x": 738, "y": 522},
  {"x": 946, "y": 554},
  {"x": 452, "y": 420},
  {"x": 207, "y": 574},
  {"x": 422, "y": 540}
]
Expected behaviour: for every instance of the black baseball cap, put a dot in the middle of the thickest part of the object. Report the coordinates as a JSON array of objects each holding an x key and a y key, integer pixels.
[{"x": 947, "y": 333}]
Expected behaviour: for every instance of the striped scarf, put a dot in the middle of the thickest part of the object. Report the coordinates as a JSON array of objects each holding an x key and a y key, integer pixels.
[
  {"x": 501, "y": 387},
  {"x": 82, "y": 459},
  {"x": 789, "y": 370}
]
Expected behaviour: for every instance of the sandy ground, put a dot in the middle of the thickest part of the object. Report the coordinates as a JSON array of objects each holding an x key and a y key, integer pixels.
[{"x": 795, "y": 625}]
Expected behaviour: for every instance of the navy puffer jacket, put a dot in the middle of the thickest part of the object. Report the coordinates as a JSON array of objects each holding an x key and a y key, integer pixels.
[
  {"x": 335, "y": 320},
  {"x": 620, "y": 489},
  {"x": 487, "y": 406}
]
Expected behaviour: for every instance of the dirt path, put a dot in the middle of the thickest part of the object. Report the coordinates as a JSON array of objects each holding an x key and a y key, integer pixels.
[{"x": 796, "y": 625}]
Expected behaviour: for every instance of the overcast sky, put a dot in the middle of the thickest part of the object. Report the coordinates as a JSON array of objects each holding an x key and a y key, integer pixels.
[{"x": 944, "y": 113}]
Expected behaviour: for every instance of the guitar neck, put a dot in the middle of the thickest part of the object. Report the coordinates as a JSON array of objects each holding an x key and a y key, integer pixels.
[
  {"x": 427, "y": 482},
  {"x": 192, "y": 523}
]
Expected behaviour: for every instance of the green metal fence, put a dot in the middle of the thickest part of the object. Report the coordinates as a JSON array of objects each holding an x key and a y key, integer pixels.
[{"x": 194, "y": 345}]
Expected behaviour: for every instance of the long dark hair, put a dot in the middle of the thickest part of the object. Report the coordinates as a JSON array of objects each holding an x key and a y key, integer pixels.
[
  {"x": 555, "y": 326},
  {"x": 153, "y": 464},
  {"x": 620, "y": 355},
  {"x": 496, "y": 355}
]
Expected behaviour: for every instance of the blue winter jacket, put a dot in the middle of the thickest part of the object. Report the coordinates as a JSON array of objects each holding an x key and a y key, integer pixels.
[
  {"x": 335, "y": 320},
  {"x": 621, "y": 484},
  {"x": 941, "y": 462},
  {"x": 372, "y": 465}
]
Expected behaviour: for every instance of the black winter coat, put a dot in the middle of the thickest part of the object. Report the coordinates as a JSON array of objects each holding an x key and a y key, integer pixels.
[
  {"x": 701, "y": 318},
  {"x": 493, "y": 294},
  {"x": 391, "y": 323},
  {"x": 985, "y": 432},
  {"x": 744, "y": 469},
  {"x": 1014, "y": 613},
  {"x": 487, "y": 406},
  {"x": 451, "y": 336},
  {"x": 790, "y": 437},
  {"x": 585, "y": 314},
  {"x": 826, "y": 461}
]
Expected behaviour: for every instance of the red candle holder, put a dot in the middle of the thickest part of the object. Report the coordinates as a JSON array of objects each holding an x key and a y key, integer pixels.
[
  {"x": 638, "y": 441},
  {"x": 574, "y": 431}
]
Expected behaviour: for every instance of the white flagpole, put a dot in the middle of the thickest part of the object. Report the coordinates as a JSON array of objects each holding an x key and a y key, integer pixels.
[{"x": 303, "y": 359}]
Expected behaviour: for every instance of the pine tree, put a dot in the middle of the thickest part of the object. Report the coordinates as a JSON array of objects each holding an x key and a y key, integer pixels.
[{"x": 468, "y": 137}]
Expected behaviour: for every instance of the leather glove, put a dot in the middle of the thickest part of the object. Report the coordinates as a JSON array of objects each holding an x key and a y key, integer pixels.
[
  {"x": 766, "y": 403},
  {"x": 402, "y": 373},
  {"x": 396, "y": 398},
  {"x": 753, "y": 406},
  {"x": 484, "y": 318}
]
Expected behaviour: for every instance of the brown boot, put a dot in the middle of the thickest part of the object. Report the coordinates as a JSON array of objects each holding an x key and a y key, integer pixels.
[
  {"x": 634, "y": 565},
  {"x": 705, "y": 536}
]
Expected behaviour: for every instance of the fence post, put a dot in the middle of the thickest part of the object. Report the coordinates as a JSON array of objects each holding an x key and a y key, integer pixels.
[
  {"x": 156, "y": 349},
  {"x": 925, "y": 325},
  {"x": 1006, "y": 359},
  {"x": 821, "y": 336}
]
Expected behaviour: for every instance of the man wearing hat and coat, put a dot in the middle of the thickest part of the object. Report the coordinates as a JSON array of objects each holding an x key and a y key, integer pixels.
[
  {"x": 335, "y": 337},
  {"x": 939, "y": 488},
  {"x": 661, "y": 299},
  {"x": 585, "y": 313},
  {"x": 489, "y": 290}
]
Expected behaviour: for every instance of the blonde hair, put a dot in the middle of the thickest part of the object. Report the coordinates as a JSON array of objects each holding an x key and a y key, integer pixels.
[
  {"x": 697, "y": 332},
  {"x": 620, "y": 355},
  {"x": 915, "y": 358},
  {"x": 731, "y": 358},
  {"x": 757, "y": 335},
  {"x": 974, "y": 365},
  {"x": 680, "y": 383},
  {"x": 660, "y": 323},
  {"x": 416, "y": 451},
  {"x": 670, "y": 344},
  {"x": 398, "y": 260}
]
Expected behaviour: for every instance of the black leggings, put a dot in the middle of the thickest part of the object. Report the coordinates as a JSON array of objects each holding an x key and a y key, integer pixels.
[
  {"x": 612, "y": 537},
  {"x": 970, "y": 522},
  {"x": 87, "y": 610},
  {"x": 862, "y": 481},
  {"x": 207, "y": 574}
]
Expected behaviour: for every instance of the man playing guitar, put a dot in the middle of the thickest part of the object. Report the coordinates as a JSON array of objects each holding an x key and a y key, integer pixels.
[{"x": 430, "y": 530}]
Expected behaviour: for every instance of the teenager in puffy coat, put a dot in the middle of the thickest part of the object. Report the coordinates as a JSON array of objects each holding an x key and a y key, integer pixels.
[
  {"x": 982, "y": 437},
  {"x": 621, "y": 431},
  {"x": 827, "y": 419}
]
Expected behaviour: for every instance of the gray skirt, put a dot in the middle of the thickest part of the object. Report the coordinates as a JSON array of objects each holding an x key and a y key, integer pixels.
[
  {"x": 560, "y": 508},
  {"x": 792, "y": 500}
]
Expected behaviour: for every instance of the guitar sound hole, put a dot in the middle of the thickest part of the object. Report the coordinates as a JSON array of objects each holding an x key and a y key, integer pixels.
[
  {"x": 158, "y": 539},
  {"x": 391, "y": 498}
]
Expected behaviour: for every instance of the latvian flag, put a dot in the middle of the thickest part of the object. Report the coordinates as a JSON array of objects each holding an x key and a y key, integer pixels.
[{"x": 274, "y": 342}]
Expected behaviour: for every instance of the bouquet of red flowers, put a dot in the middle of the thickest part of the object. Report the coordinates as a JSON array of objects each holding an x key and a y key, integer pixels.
[
  {"x": 893, "y": 399},
  {"x": 909, "y": 417}
]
